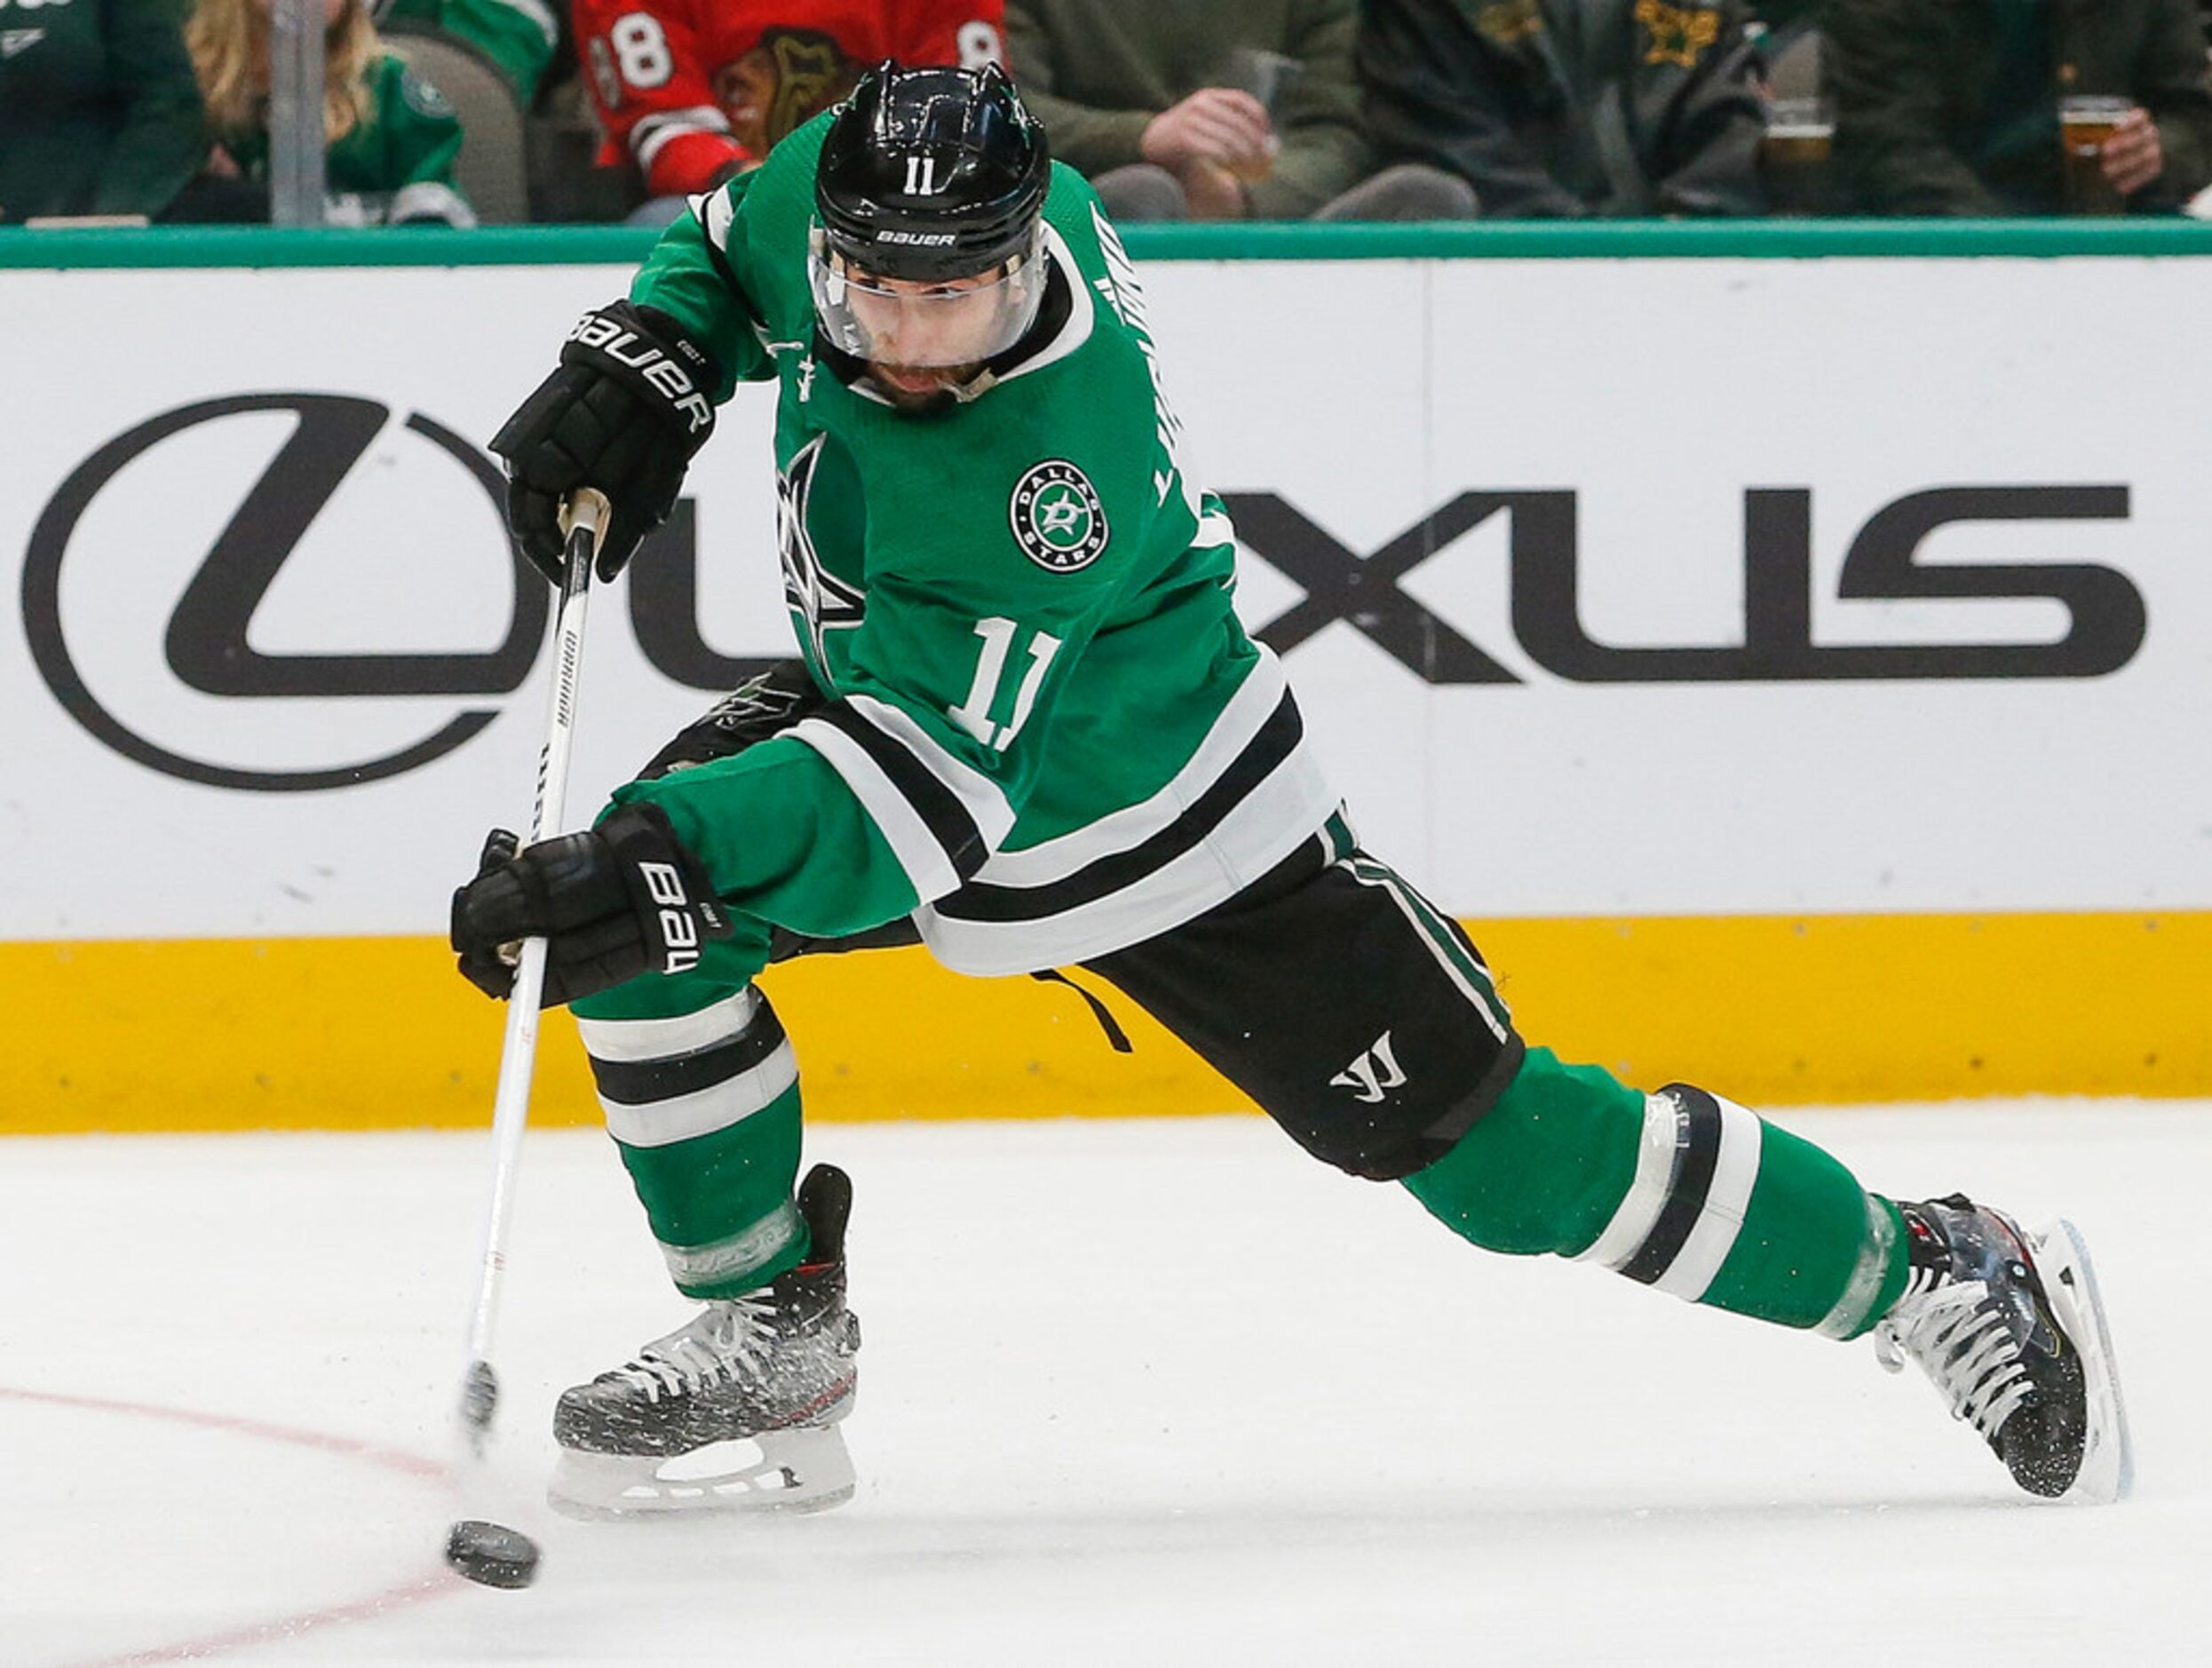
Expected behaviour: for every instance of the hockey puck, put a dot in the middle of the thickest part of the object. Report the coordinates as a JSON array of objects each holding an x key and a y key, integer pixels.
[{"x": 491, "y": 1555}]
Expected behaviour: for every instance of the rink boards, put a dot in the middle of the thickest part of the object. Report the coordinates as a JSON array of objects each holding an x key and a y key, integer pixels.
[{"x": 1807, "y": 711}]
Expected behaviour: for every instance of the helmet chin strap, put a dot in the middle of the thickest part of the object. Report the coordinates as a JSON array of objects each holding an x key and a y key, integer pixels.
[
  {"x": 975, "y": 387},
  {"x": 947, "y": 393}
]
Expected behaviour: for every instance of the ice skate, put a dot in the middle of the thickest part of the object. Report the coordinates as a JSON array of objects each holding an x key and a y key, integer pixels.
[
  {"x": 738, "y": 1411},
  {"x": 2010, "y": 1327}
]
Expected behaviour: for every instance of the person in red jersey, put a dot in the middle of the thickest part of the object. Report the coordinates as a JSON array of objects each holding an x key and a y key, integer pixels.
[{"x": 694, "y": 91}]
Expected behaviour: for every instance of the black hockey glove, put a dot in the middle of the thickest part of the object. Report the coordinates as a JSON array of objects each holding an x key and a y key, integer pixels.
[
  {"x": 632, "y": 403},
  {"x": 625, "y": 899}
]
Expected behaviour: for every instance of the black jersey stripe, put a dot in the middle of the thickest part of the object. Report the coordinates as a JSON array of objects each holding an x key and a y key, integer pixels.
[
  {"x": 948, "y": 820},
  {"x": 1276, "y": 740},
  {"x": 644, "y": 1082},
  {"x": 1696, "y": 1156}
]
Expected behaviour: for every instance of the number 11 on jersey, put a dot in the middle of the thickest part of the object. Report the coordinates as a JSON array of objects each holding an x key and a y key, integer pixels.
[{"x": 973, "y": 714}]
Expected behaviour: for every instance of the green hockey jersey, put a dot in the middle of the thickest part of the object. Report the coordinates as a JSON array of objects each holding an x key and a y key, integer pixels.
[
  {"x": 1051, "y": 737},
  {"x": 396, "y": 165}
]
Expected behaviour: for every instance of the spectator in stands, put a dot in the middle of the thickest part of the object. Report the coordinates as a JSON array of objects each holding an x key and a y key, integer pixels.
[
  {"x": 521, "y": 36},
  {"x": 697, "y": 91},
  {"x": 391, "y": 137},
  {"x": 1952, "y": 108},
  {"x": 1237, "y": 109},
  {"x": 99, "y": 111},
  {"x": 1567, "y": 108}
]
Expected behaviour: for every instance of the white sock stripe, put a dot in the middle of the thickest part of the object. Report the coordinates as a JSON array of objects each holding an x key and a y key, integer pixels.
[
  {"x": 1638, "y": 1212},
  {"x": 687, "y": 1117},
  {"x": 625, "y": 1041},
  {"x": 697, "y": 1264},
  {"x": 1734, "y": 1174}
]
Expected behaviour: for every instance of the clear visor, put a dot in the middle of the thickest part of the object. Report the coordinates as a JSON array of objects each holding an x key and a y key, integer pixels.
[{"x": 924, "y": 325}]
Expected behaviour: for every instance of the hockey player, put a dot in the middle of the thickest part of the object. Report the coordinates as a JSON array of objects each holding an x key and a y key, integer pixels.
[
  {"x": 696, "y": 90},
  {"x": 1028, "y": 727}
]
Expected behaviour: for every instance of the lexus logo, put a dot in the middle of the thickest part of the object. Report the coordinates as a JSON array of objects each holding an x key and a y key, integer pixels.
[{"x": 207, "y": 642}]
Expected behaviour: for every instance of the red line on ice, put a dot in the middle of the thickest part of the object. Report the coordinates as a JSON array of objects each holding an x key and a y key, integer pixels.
[{"x": 412, "y": 1591}]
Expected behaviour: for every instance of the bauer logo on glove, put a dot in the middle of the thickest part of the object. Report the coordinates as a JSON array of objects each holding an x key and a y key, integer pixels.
[
  {"x": 625, "y": 345},
  {"x": 630, "y": 403},
  {"x": 622, "y": 900}
]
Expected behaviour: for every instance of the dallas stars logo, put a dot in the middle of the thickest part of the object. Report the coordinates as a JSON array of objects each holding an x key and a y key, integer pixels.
[
  {"x": 1056, "y": 518},
  {"x": 1679, "y": 35}
]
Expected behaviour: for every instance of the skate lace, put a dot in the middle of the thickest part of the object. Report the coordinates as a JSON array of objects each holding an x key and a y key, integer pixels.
[
  {"x": 1962, "y": 1342},
  {"x": 729, "y": 1335}
]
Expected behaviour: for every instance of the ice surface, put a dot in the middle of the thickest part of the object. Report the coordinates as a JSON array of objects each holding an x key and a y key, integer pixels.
[{"x": 1151, "y": 1392}]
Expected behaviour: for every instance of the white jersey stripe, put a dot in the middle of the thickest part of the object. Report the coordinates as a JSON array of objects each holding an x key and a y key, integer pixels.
[
  {"x": 1264, "y": 826},
  {"x": 714, "y": 213},
  {"x": 925, "y": 862},
  {"x": 1239, "y": 721},
  {"x": 654, "y": 132},
  {"x": 1721, "y": 1220},
  {"x": 984, "y": 800},
  {"x": 540, "y": 15}
]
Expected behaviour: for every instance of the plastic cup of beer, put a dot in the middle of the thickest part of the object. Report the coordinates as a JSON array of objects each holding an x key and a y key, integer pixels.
[
  {"x": 2085, "y": 122},
  {"x": 1267, "y": 76},
  {"x": 1794, "y": 155}
]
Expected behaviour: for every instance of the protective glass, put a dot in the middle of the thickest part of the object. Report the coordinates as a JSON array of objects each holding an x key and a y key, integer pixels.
[{"x": 924, "y": 325}]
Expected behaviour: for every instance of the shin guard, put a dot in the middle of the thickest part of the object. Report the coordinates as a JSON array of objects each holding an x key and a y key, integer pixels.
[
  {"x": 704, "y": 1108},
  {"x": 1681, "y": 1190}
]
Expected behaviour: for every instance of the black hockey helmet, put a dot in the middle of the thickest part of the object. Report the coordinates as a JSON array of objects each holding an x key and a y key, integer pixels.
[{"x": 931, "y": 174}]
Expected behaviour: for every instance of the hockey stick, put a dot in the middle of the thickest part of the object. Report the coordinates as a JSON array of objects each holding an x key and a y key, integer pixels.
[{"x": 485, "y": 1552}]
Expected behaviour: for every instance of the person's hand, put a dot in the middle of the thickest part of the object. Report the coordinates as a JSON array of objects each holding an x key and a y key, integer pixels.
[
  {"x": 1212, "y": 191},
  {"x": 219, "y": 164},
  {"x": 1215, "y": 124},
  {"x": 633, "y": 400},
  {"x": 2132, "y": 158},
  {"x": 625, "y": 899}
]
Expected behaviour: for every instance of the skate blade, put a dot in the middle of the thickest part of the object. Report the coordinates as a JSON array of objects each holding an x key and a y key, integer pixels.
[
  {"x": 804, "y": 1469},
  {"x": 2062, "y": 1259}
]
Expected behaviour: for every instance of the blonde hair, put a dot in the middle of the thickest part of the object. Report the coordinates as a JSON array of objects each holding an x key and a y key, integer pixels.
[{"x": 229, "y": 42}]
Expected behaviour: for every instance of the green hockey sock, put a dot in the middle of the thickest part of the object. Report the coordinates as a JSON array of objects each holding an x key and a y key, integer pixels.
[
  {"x": 703, "y": 1104},
  {"x": 1681, "y": 1190}
]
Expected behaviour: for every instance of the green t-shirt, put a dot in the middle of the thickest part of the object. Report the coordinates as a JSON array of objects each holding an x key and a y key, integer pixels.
[
  {"x": 395, "y": 164},
  {"x": 1052, "y": 738}
]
